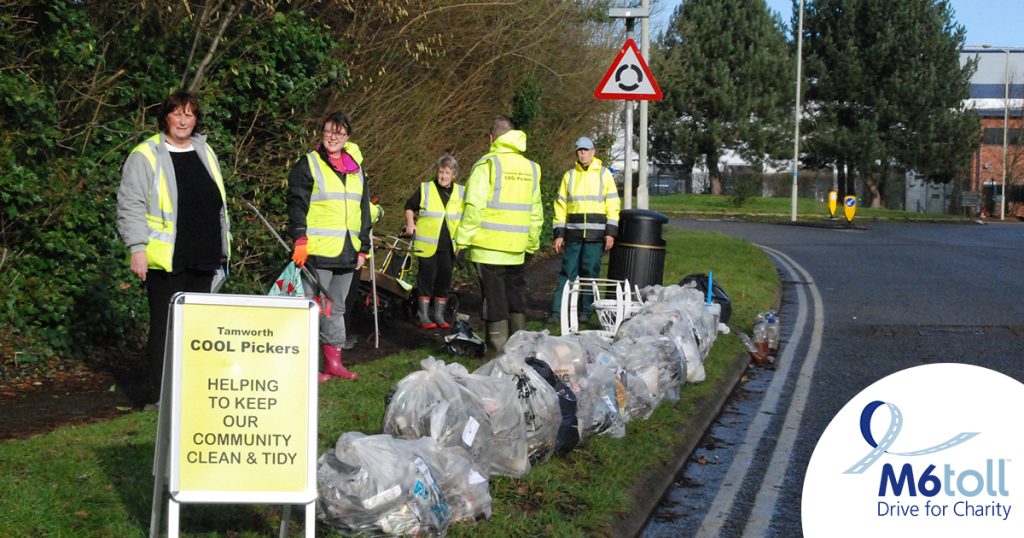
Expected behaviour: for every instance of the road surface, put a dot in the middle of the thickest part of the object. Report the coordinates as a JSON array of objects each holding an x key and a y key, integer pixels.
[{"x": 858, "y": 305}]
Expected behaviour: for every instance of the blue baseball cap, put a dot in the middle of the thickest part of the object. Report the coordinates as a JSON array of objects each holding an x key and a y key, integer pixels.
[{"x": 584, "y": 142}]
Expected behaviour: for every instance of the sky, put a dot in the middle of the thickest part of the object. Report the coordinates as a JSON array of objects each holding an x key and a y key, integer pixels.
[{"x": 988, "y": 22}]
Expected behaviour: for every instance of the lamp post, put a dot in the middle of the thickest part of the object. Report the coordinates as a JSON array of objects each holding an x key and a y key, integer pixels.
[
  {"x": 796, "y": 107},
  {"x": 1006, "y": 124},
  {"x": 1006, "y": 130}
]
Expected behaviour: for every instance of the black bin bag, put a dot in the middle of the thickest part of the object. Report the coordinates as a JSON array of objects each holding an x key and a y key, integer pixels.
[
  {"x": 718, "y": 294},
  {"x": 568, "y": 431}
]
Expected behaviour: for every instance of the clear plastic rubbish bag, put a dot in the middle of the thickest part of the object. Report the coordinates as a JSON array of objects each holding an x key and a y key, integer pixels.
[
  {"x": 593, "y": 385},
  {"x": 379, "y": 485},
  {"x": 537, "y": 400},
  {"x": 430, "y": 402},
  {"x": 656, "y": 360},
  {"x": 568, "y": 428},
  {"x": 631, "y": 393},
  {"x": 508, "y": 451}
]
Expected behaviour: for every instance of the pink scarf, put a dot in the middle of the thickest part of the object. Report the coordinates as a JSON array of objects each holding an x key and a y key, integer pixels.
[{"x": 343, "y": 163}]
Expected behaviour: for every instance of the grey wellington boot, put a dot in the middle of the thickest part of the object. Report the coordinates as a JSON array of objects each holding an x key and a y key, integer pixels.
[
  {"x": 440, "y": 303},
  {"x": 497, "y": 335},
  {"x": 516, "y": 322},
  {"x": 423, "y": 313}
]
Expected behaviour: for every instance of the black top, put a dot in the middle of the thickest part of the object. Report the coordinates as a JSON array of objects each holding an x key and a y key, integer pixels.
[
  {"x": 413, "y": 203},
  {"x": 197, "y": 243},
  {"x": 444, "y": 240}
]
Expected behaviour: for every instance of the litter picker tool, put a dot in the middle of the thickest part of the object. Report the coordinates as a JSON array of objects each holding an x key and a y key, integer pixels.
[
  {"x": 309, "y": 274},
  {"x": 373, "y": 288}
]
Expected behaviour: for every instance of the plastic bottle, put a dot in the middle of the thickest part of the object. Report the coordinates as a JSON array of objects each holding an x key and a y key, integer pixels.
[
  {"x": 773, "y": 333},
  {"x": 755, "y": 354},
  {"x": 761, "y": 333}
]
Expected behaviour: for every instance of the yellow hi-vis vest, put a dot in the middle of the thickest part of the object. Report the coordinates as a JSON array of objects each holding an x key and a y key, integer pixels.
[
  {"x": 586, "y": 202},
  {"x": 432, "y": 214},
  {"x": 160, "y": 211},
  {"x": 505, "y": 220},
  {"x": 334, "y": 210},
  {"x": 376, "y": 212}
]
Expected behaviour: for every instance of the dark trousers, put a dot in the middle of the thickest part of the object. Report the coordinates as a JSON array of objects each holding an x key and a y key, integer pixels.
[
  {"x": 504, "y": 290},
  {"x": 580, "y": 259},
  {"x": 160, "y": 287},
  {"x": 435, "y": 275}
]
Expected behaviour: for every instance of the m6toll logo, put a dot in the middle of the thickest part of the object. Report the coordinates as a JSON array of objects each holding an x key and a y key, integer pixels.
[
  {"x": 949, "y": 482},
  {"x": 940, "y": 463}
]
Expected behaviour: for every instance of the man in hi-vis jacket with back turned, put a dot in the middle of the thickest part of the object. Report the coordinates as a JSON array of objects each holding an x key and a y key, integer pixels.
[{"x": 501, "y": 223}]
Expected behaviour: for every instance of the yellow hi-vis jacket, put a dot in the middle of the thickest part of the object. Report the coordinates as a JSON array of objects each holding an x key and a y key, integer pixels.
[
  {"x": 148, "y": 181},
  {"x": 432, "y": 213},
  {"x": 334, "y": 206},
  {"x": 376, "y": 213},
  {"x": 502, "y": 214},
  {"x": 587, "y": 204}
]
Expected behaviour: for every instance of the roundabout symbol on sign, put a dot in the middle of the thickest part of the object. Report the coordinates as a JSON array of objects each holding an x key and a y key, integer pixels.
[
  {"x": 628, "y": 77},
  {"x": 639, "y": 77}
]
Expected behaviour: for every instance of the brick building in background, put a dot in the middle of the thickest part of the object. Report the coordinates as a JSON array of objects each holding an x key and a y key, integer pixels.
[{"x": 999, "y": 69}]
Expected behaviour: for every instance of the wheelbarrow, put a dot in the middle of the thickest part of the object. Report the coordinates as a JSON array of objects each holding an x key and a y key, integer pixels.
[{"x": 395, "y": 294}]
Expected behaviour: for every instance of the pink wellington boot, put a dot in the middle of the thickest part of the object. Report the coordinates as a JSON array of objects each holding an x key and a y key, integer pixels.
[{"x": 334, "y": 367}]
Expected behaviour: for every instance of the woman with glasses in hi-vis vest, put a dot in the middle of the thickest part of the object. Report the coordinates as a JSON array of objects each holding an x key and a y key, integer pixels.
[{"x": 329, "y": 219}]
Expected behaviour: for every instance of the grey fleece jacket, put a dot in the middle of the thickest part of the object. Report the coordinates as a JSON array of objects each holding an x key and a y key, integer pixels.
[{"x": 137, "y": 184}]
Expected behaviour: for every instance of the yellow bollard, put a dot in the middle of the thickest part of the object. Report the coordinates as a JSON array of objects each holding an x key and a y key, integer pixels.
[{"x": 850, "y": 207}]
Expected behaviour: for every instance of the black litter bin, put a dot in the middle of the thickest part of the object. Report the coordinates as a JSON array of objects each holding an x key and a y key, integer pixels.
[{"x": 639, "y": 251}]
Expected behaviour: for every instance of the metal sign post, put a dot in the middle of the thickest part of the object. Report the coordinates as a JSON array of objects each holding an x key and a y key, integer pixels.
[
  {"x": 630, "y": 79},
  {"x": 627, "y": 160},
  {"x": 645, "y": 50},
  {"x": 796, "y": 112}
]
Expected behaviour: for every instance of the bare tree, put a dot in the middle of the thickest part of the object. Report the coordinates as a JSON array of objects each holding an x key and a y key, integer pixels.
[{"x": 428, "y": 76}]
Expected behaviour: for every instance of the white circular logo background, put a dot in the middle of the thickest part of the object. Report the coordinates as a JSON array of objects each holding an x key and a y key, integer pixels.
[{"x": 966, "y": 421}]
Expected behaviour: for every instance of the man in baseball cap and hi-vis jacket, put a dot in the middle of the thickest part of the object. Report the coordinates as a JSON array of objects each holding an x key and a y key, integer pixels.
[{"x": 586, "y": 220}]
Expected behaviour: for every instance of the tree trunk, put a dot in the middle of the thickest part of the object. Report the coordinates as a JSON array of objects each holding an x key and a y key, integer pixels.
[
  {"x": 197, "y": 78},
  {"x": 716, "y": 176},
  {"x": 685, "y": 171},
  {"x": 841, "y": 180},
  {"x": 875, "y": 193},
  {"x": 876, "y": 188}
]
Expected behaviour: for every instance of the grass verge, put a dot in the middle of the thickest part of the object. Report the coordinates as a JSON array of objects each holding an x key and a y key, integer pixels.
[
  {"x": 778, "y": 209},
  {"x": 95, "y": 480}
]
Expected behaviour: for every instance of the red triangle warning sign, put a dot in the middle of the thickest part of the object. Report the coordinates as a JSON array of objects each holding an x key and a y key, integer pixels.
[{"x": 629, "y": 77}]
